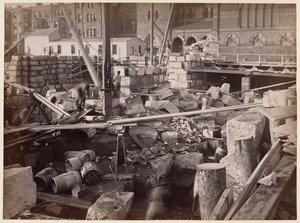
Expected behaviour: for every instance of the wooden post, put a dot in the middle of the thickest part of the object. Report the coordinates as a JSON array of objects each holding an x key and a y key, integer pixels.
[
  {"x": 245, "y": 158},
  {"x": 166, "y": 34},
  {"x": 151, "y": 34},
  {"x": 85, "y": 56},
  {"x": 106, "y": 61},
  {"x": 211, "y": 182}
]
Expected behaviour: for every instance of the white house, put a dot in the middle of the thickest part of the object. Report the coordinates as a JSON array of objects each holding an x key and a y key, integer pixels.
[{"x": 48, "y": 41}]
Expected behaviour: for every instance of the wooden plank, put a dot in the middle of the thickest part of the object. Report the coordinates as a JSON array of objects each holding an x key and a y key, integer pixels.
[
  {"x": 191, "y": 113},
  {"x": 70, "y": 202},
  {"x": 223, "y": 205},
  {"x": 69, "y": 126},
  {"x": 262, "y": 204},
  {"x": 17, "y": 129},
  {"x": 252, "y": 180}
]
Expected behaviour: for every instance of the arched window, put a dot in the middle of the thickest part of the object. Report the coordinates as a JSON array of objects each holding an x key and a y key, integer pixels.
[
  {"x": 177, "y": 45},
  {"x": 258, "y": 39},
  {"x": 190, "y": 41},
  {"x": 231, "y": 40},
  {"x": 286, "y": 39}
]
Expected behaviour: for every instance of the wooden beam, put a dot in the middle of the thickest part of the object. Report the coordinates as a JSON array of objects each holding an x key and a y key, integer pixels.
[
  {"x": 106, "y": 60},
  {"x": 151, "y": 33},
  {"x": 265, "y": 200},
  {"x": 68, "y": 126},
  {"x": 66, "y": 201},
  {"x": 191, "y": 113},
  {"x": 223, "y": 205},
  {"x": 166, "y": 34},
  {"x": 85, "y": 56},
  {"x": 252, "y": 181}
]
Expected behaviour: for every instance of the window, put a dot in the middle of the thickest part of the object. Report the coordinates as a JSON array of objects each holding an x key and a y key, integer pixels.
[
  {"x": 35, "y": 14},
  {"x": 47, "y": 14},
  {"x": 90, "y": 5},
  {"x": 148, "y": 17},
  {"x": 79, "y": 18},
  {"x": 59, "y": 49},
  {"x": 55, "y": 13},
  {"x": 45, "y": 50},
  {"x": 91, "y": 32},
  {"x": 71, "y": 36},
  {"x": 15, "y": 15},
  {"x": 87, "y": 49},
  {"x": 26, "y": 24},
  {"x": 21, "y": 24},
  {"x": 91, "y": 18},
  {"x": 79, "y": 32},
  {"x": 140, "y": 49},
  {"x": 114, "y": 49},
  {"x": 55, "y": 24},
  {"x": 156, "y": 14},
  {"x": 78, "y": 5},
  {"x": 72, "y": 49},
  {"x": 40, "y": 14},
  {"x": 34, "y": 24},
  {"x": 70, "y": 12},
  {"x": 100, "y": 49},
  {"x": 50, "y": 50},
  {"x": 15, "y": 26}
]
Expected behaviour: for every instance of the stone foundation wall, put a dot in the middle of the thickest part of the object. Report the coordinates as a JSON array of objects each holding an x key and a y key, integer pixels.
[{"x": 35, "y": 71}]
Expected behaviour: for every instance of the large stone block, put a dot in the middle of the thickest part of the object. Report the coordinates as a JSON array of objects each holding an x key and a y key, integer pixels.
[
  {"x": 249, "y": 124},
  {"x": 162, "y": 165},
  {"x": 188, "y": 104},
  {"x": 188, "y": 161},
  {"x": 170, "y": 137},
  {"x": 275, "y": 98},
  {"x": 111, "y": 206},
  {"x": 214, "y": 92},
  {"x": 19, "y": 191},
  {"x": 230, "y": 101}
]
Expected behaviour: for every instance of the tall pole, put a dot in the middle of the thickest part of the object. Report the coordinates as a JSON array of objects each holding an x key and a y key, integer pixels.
[
  {"x": 151, "y": 34},
  {"x": 85, "y": 56},
  {"x": 106, "y": 60},
  {"x": 166, "y": 34}
]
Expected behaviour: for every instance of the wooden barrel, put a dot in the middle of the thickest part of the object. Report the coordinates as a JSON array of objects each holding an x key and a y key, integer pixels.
[
  {"x": 83, "y": 157},
  {"x": 44, "y": 177},
  {"x": 65, "y": 181},
  {"x": 90, "y": 173},
  {"x": 73, "y": 164},
  {"x": 91, "y": 153}
]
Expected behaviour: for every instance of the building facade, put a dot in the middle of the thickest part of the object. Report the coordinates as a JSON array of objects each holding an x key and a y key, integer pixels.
[{"x": 240, "y": 28}]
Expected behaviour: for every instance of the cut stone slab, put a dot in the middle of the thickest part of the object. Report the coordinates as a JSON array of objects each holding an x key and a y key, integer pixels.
[
  {"x": 134, "y": 105},
  {"x": 218, "y": 104},
  {"x": 188, "y": 104},
  {"x": 171, "y": 108},
  {"x": 249, "y": 124},
  {"x": 163, "y": 93},
  {"x": 225, "y": 88},
  {"x": 248, "y": 100},
  {"x": 111, "y": 206},
  {"x": 275, "y": 98},
  {"x": 156, "y": 104},
  {"x": 188, "y": 161},
  {"x": 162, "y": 165},
  {"x": 19, "y": 191},
  {"x": 145, "y": 179},
  {"x": 230, "y": 101},
  {"x": 169, "y": 137},
  {"x": 214, "y": 92},
  {"x": 175, "y": 101}
]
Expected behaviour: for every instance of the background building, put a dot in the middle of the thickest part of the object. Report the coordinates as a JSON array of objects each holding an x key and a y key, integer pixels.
[{"x": 242, "y": 29}]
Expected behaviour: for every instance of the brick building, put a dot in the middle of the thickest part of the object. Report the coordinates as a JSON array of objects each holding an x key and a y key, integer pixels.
[{"x": 240, "y": 28}]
